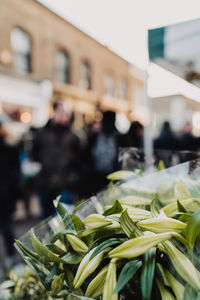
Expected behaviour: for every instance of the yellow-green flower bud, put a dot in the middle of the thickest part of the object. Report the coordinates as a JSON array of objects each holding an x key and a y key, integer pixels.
[{"x": 76, "y": 243}]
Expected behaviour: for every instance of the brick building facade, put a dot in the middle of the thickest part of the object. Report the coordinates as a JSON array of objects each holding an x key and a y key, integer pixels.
[{"x": 82, "y": 71}]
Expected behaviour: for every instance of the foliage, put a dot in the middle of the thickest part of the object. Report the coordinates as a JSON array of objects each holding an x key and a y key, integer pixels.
[
  {"x": 133, "y": 251},
  {"x": 23, "y": 287}
]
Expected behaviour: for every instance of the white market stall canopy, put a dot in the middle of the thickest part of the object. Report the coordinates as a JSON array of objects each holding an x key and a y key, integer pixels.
[{"x": 177, "y": 49}]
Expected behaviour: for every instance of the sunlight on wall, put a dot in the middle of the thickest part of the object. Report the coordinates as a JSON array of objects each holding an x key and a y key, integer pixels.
[{"x": 196, "y": 123}]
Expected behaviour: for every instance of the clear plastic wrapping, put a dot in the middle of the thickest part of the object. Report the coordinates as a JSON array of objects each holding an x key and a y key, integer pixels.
[{"x": 180, "y": 182}]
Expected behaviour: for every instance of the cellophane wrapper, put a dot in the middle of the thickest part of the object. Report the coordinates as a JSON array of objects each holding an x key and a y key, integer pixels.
[
  {"x": 132, "y": 158},
  {"x": 161, "y": 183}
]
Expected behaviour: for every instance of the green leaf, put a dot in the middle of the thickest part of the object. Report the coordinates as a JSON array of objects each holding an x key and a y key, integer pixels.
[
  {"x": 69, "y": 277},
  {"x": 128, "y": 226},
  {"x": 182, "y": 264},
  {"x": 160, "y": 273},
  {"x": 79, "y": 225},
  {"x": 190, "y": 293},
  {"x": 26, "y": 251},
  {"x": 51, "y": 275},
  {"x": 72, "y": 258},
  {"x": 181, "y": 207},
  {"x": 155, "y": 206},
  {"x": 57, "y": 284},
  {"x": 76, "y": 243},
  {"x": 147, "y": 274},
  {"x": 161, "y": 165},
  {"x": 110, "y": 187},
  {"x": 141, "y": 170},
  {"x": 175, "y": 285},
  {"x": 44, "y": 253},
  {"x": 63, "y": 212},
  {"x": 54, "y": 248},
  {"x": 127, "y": 273},
  {"x": 76, "y": 207},
  {"x": 41, "y": 271},
  {"x": 115, "y": 218},
  {"x": 164, "y": 292},
  {"x": 101, "y": 237},
  {"x": 182, "y": 191},
  {"x": 135, "y": 200},
  {"x": 185, "y": 217},
  {"x": 116, "y": 208},
  {"x": 193, "y": 228},
  {"x": 106, "y": 244},
  {"x": 120, "y": 175},
  {"x": 58, "y": 235}
]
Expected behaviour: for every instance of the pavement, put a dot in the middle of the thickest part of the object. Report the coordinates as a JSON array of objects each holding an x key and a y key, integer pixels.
[{"x": 22, "y": 223}]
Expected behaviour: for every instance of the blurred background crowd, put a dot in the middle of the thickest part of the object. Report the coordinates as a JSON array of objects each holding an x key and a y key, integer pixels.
[{"x": 43, "y": 163}]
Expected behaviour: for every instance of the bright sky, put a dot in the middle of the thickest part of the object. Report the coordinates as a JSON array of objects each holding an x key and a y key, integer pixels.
[{"x": 122, "y": 24}]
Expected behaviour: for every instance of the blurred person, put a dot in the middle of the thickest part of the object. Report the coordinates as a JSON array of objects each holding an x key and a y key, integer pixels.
[
  {"x": 9, "y": 191},
  {"x": 87, "y": 130},
  {"x": 188, "y": 140},
  {"x": 95, "y": 127},
  {"x": 85, "y": 171},
  {"x": 102, "y": 152},
  {"x": 134, "y": 137},
  {"x": 29, "y": 168},
  {"x": 57, "y": 148},
  {"x": 166, "y": 139}
]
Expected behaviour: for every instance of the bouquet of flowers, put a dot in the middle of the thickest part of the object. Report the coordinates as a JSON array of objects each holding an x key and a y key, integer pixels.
[
  {"x": 23, "y": 284},
  {"x": 138, "y": 239}
]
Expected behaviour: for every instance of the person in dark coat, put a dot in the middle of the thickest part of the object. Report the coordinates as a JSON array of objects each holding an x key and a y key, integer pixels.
[
  {"x": 102, "y": 153},
  {"x": 57, "y": 148},
  {"x": 167, "y": 139},
  {"x": 167, "y": 142},
  {"x": 9, "y": 189},
  {"x": 134, "y": 137},
  {"x": 188, "y": 140}
]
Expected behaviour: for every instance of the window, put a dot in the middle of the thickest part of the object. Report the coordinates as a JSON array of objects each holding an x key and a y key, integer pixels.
[
  {"x": 21, "y": 45},
  {"x": 85, "y": 76},
  {"x": 62, "y": 66},
  {"x": 123, "y": 89},
  {"x": 109, "y": 85}
]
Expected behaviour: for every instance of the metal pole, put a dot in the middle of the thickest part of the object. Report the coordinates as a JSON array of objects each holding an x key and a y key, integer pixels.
[{"x": 148, "y": 135}]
